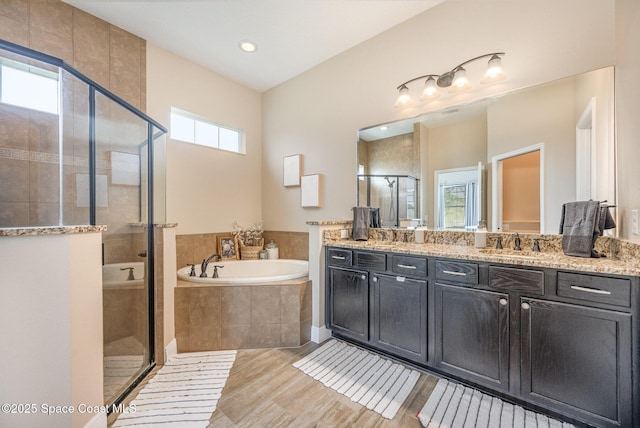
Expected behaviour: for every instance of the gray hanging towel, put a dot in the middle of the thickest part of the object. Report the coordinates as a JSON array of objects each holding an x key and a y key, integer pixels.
[
  {"x": 361, "y": 219},
  {"x": 578, "y": 226},
  {"x": 606, "y": 220}
]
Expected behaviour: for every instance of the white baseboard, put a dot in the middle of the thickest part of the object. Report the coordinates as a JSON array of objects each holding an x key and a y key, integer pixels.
[
  {"x": 319, "y": 334},
  {"x": 98, "y": 421},
  {"x": 171, "y": 349}
]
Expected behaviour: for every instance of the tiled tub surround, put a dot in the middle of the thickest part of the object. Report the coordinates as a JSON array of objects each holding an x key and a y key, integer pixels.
[
  {"x": 622, "y": 256},
  {"x": 230, "y": 316},
  {"x": 193, "y": 248}
]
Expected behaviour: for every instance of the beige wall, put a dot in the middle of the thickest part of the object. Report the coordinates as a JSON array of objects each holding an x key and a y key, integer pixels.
[
  {"x": 170, "y": 280},
  {"x": 52, "y": 318},
  {"x": 627, "y": 110},
  {"x": 318, "y": 112},
  {"x": 207, "y": 189},
  {"x": 546, "y": 116},
  {"x": 597, "y": 85},
  {"x": 85, "y": 292}
]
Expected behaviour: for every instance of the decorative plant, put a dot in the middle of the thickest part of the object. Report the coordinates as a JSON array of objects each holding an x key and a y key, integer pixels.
[{"x": 249, "y": 236}]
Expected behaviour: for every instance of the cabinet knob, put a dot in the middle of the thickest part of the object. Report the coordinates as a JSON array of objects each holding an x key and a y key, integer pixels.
[
  {"x": 375, "y": 278},
  {"x": 503, "y": 302},
  {"x": 525, "y": 306},
  {"x": 363, "y": 277}
]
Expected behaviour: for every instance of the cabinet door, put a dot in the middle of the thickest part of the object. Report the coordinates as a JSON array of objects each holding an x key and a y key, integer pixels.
[
  {"x": 577, "y": 360},
  {"x": 348, "y": 303},
  {"x": 400, "y": 316},
  {"x": 472, "y": 335}
]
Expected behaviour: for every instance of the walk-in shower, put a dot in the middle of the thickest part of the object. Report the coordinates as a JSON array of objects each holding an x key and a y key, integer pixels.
[
  {"x": 396, "y": 196},
  {"x": 73, "y": 153}
]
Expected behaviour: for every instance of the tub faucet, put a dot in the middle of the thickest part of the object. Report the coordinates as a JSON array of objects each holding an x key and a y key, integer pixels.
[
  {"x": 516, "y": 242},
  {"x": 205, "y": 263}
]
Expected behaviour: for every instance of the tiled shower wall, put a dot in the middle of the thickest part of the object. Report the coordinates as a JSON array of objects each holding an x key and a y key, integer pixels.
[
  {"x": 195, "y": 247},
  {"x": 29, "y": 149}
]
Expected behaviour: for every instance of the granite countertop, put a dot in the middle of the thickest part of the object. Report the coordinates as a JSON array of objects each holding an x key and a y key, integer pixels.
[
  {"x": 554, "y": 260},
  {"x": 49, "y": 230}
]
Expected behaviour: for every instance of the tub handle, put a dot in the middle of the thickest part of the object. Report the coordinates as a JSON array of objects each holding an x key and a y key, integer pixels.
[
  {"x": 193, "y": 269},
  {"x": 130, "y": 277},
  {"x": 215, "y": 270}
]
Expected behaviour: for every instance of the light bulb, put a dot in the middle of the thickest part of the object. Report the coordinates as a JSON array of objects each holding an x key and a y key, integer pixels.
[
  {"x": 494, "y": 72},
  {"x": 430, "y": 90},
  {"x": 460, "y": 81},
  {"x": 404, "y": 99}
]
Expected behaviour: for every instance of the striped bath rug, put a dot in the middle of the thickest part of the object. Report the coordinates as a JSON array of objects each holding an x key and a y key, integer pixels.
[
  {"x": 452, "y": 405},
  {"x": 368, "y": 379},
  {"x": 184, "y": 392}
]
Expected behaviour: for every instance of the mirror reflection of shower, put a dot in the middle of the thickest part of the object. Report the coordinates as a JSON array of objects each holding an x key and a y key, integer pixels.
[
  {"x": 391, "y": 218},
  {"x": 396, "y": 196}
]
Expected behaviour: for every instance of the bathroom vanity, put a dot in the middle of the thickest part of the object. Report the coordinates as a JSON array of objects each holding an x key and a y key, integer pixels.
[{"x": 545, "y": 330}]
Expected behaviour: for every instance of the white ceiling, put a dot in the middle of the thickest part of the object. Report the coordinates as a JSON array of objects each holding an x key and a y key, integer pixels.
[{"x": 292, "y": 35}]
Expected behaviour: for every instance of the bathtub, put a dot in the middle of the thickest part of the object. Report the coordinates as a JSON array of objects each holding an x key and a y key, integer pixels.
[
  {"x": 249, "y": 271},
  {"x": 253, "y": 304},
  {"x": 114, "y": 277}
]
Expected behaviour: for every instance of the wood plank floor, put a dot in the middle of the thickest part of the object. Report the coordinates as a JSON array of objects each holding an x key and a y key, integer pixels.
[{"x": 265, "y": 390}]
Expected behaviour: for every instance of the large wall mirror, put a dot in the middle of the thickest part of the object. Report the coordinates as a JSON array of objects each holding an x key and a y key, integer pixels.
[{"x": 510, "y": 160}]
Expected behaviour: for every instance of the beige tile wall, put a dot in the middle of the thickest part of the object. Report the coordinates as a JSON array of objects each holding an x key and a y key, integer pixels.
[
  {"x": 242, "y": 317},
  {"x": 29, "y": 153},
  {"x": 105, "y": 53},
  {"x": 194, "y": 248}
]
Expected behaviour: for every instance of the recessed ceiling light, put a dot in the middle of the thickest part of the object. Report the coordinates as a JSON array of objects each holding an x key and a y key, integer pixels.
[{"x": 247, "y": 46}]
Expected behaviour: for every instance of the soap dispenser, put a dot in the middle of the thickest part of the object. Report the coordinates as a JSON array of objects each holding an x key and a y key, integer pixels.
[
  {"x": 480, "y": 236},
  {"x": 272, "y": 250}
]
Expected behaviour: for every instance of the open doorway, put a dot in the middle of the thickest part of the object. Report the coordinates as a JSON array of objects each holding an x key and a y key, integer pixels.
[{"x": 518, "y": 189}]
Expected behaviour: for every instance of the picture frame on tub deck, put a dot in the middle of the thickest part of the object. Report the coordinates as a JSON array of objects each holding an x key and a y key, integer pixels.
[
  {"x": 228, "y": 247},
  {"x": 291, "y": 170}
]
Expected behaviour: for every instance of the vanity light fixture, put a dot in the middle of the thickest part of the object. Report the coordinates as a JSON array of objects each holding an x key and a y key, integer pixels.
[{"x": 455, "y": 79}]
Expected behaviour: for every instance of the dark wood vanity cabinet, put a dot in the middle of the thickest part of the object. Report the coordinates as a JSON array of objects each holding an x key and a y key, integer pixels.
[
  {"x": 472, "y": 334},
  {"x": 400, "y": 316},
  {"x": 577, "y": 360},
  {"x": 564, "y": 341},
  {"x": 376, "y": 303},
  {"x": 348, "y": 303}
]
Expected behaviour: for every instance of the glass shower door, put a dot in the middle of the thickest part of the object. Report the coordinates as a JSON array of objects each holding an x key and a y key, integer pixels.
[{"x": 121, "y": 183}]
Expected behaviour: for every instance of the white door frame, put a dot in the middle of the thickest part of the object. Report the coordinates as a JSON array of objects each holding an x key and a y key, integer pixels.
[{"x": 496, "y": 184}]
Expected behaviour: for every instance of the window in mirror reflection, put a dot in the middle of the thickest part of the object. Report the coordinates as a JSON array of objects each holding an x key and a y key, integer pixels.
[{"x": 456, "y": 202}]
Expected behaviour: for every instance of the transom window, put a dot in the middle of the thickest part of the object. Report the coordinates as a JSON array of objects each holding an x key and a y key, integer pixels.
[
  {"x": 29, "y": 87},
  {"x": 190, "y": 128}
]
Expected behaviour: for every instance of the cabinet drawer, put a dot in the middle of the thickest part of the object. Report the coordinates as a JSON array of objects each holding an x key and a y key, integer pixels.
[
  {"x": 408, "y": 265},
  {"x": 600, "y": 289},
  {"x": 512, "y": 279},
  {"x": 465, "y": 273},
  {"x": 373, "y": 261},
  {"x": 339, "y": 257}
]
